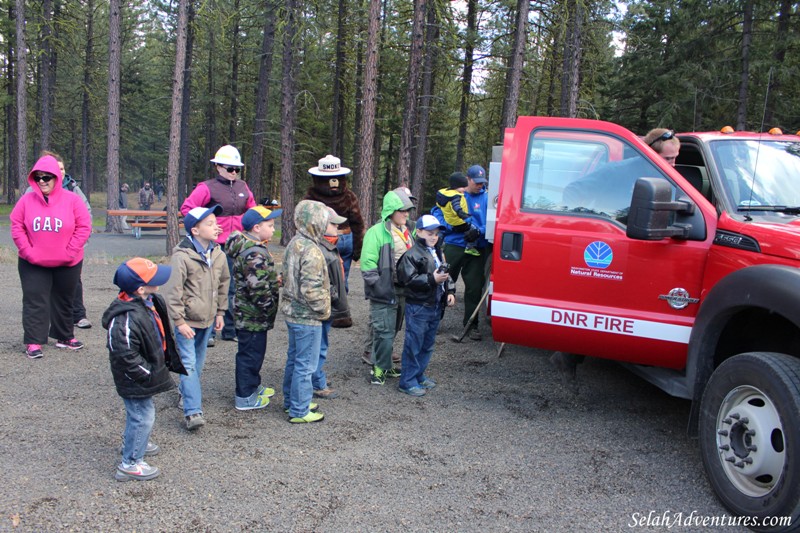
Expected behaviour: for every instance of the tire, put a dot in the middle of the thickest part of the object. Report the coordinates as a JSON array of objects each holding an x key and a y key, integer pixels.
[{"x": 750, "y": 436}]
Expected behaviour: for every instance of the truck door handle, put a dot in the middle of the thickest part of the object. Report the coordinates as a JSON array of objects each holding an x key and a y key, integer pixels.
[{"x": 511, "y": 246}]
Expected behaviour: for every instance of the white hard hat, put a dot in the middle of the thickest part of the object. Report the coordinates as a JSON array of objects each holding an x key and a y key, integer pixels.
[{"x": 228, "y": 155}]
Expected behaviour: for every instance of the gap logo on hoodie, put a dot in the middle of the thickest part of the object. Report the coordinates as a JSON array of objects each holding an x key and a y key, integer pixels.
[{"x": 47, "y": 224}]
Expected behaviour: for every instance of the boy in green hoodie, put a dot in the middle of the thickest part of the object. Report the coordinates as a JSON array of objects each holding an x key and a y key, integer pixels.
[{"x": 384, "y": 244}]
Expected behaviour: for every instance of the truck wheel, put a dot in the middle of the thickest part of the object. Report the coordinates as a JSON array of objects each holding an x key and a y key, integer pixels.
[{"x": 750, "y": 436}]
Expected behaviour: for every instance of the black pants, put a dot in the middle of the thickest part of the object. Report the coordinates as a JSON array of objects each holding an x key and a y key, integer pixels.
[
  {"x": 47, "y": 296},
  {"x": 78, "y": 309}
]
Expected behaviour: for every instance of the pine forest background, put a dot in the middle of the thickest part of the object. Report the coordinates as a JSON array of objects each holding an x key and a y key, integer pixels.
[{"x": 403, "y": 91}]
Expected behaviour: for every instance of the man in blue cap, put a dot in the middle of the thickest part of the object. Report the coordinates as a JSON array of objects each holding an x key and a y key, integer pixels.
[{"x": 472, "y": 267}]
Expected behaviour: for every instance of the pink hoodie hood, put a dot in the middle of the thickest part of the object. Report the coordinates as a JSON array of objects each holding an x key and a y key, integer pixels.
[{"x": 51, "y": 232}]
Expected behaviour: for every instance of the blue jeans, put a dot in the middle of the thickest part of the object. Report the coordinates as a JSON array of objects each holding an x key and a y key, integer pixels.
[
  {"x": 301, "y": 361},
  {"x": 345, "y": 247},
  {"x": 193, "y": 357},
  {"x": 140, "y": 415},
  {"x": 229, "y": 329},
  {"x": 421, "y": 324},
  {"x": 319, "y": 380},
  {"x": 249, "y": 358}
]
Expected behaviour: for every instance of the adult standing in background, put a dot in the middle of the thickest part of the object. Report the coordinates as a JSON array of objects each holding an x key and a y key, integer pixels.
[
  {"x": 49, "y": 226},
  {"x": 472, "y": 267},
  {"x": 235, "y": 197},
  {"x": 146, "y": 196}
]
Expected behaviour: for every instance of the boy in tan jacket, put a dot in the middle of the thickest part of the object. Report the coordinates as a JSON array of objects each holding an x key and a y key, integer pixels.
[{"x": 197, "y": 298}]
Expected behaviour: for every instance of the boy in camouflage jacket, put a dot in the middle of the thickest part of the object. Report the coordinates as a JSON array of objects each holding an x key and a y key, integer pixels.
[
  {"x": 306, "y": 303},
  {"x": 255, "y": 302}
]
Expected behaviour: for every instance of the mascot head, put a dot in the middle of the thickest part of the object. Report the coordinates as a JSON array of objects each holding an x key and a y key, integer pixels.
[{"x": 330, "y": 177}]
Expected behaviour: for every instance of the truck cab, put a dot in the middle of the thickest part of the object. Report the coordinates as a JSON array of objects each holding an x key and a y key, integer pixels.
[{"x": 686, "y": 274}]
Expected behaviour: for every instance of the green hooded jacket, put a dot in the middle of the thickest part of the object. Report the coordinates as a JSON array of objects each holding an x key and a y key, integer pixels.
[{"x": 377, "y": 254}]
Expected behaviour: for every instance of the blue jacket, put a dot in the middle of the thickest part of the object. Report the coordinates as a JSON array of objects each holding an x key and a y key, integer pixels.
[{"x": 477, "y": 204}]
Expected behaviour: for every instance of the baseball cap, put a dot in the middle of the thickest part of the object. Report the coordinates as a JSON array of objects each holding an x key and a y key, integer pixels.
[
  {"x": 335, "y": 218},
  {"x": 257, "y": 214},
  {"x": 199, "y": 213},
  {"x": 138, "y": 272},
  {"x": 477, "y": 174},
  {"x": 429, "y": 222}
]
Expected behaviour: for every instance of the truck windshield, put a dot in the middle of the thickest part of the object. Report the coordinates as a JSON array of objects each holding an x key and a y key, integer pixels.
[{"x": 759, "y": 175}]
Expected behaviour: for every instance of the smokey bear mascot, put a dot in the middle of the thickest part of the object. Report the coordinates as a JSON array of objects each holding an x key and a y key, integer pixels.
[{"x": 330, "y": 188}]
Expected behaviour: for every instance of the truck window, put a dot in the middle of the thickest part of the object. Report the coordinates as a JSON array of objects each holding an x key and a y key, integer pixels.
[{"x": 567, "y": 173}]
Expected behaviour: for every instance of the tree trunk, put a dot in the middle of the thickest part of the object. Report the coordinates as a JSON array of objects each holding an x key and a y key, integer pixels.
[
  {"x": 46, "y": 85},
  {"x": 358, "y": 110},
  {"x": 466, "y": 81},
  {"x": 514, "y": 74},
  {"x": 175, "y": 128},
  {"x": 412, "y": 92},
  {"x": 553, "y": 69},
  {"x": 337, "y": 120},
  {"x": 113, "y": 224},
  {"x": 288, "y": 114},
  {"x": 571, "y": 61},
  {"x": 233, "y": 118},
  {"x": 12, "y": 153},
  {"x": 747, "y": 38},
  {"x": 211, "y": 109},
  {"x": 426, "y": 101},
  {"x": 366, "y": 158},
  {"x": 781, "y": 45},
  {"x": 22, "y": 99},
  {"x": 88, "y": 61},
  {"x": 255, "y": 172},
  {"x": 185, "y": 162}
]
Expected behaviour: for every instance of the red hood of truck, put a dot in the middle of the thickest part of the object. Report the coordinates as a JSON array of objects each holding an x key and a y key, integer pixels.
[{"x": 781, "y": 239}]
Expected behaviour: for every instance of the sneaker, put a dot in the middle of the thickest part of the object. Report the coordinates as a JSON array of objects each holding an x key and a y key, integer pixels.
[
  {"x": 83, "y": 323},
  {"x": 195, "y": 421},
  {"x": 254, "y": 402},
  {"x": 211, "y": 342},
  {"x": 266, "y": 391},
  {"x": 427, "y": 383},
  {"x": 72, "y": 344},
  {"x": 326, "y": 393},
  {"x": 233, "y": 339},
  {"x": 475, "y": 335},
  {"x": 413, "y": 391},
  {"x": 312, "y": 416},
  {"x": 378, "y": 376},
  {"x": 472, "y": 251},
  {"x": 151, "y": 449},
  {"x": 397, "y": 359},
  {"x": 140, "y": 471},
  {"x": 393, "y": 372},
  {"x": 311, "y": 407},
  {"x": 34, "y": 351}
]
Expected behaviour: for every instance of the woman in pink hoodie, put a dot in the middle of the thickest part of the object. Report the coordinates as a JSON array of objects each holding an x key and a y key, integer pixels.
[{"x": 49, "y": 225}]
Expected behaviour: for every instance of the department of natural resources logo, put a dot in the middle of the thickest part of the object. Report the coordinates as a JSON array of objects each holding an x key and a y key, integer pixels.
[{"x": 598, "y": 255}]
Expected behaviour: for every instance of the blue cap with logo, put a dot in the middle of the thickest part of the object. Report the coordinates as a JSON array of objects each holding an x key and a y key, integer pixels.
[
  {"x": 199, "y": 213},
  {"x": 477, "y": 174}
]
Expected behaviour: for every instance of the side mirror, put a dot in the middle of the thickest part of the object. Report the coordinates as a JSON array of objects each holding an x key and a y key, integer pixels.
[{"x": 652, "y": 211}]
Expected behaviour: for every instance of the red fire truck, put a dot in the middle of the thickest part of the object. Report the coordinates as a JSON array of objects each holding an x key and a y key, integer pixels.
[{"x": 688, "y": 275}]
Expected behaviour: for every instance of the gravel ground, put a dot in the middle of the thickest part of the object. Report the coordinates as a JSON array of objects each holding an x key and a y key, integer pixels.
[{"x": 500, "y": 445}]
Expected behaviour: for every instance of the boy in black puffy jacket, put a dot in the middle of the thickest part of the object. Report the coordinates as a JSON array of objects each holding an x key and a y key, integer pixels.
[
  {"x": 428, "y": 289},
  {"x": 141, "y": 351}
]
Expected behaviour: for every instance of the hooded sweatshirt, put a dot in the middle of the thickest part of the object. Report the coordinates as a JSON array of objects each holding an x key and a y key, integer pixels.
[
  {"x": 50, "y": 232},
  {"x": 378, "y": 257},
  {"x": 306, "y": 286}
]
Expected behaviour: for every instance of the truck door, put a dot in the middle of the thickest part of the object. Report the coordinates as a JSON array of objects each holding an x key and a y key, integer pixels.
[{"x": 565, "y": 275}]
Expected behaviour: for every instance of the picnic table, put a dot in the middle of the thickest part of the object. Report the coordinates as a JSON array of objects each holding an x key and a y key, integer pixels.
[{"x": 141, "y": 218}]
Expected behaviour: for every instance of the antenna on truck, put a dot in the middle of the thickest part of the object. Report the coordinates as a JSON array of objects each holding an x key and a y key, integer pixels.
[{"x": 760, "y": 132}]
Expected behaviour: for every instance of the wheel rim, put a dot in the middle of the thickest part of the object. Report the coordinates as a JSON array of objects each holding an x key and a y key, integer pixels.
[{"x": 750, "y": 441}]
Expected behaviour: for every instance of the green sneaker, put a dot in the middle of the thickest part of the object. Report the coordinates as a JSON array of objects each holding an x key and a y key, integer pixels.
[
  {"x": 393, "y": 372},
  {"x": 472, "y": 251},
  {"x": 378, "y": 376},
  {"x": 311, "y": 407},
  {"x": 312, "y": 416},
  {"x": 266, "y": 391}
]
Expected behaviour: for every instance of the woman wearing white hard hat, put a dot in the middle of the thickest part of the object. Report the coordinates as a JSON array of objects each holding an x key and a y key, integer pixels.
[{"x": 235, "y": 197}]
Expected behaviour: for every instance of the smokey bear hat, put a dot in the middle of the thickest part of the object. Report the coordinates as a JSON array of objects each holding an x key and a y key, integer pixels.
[{"x": 329, "y": 167}]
